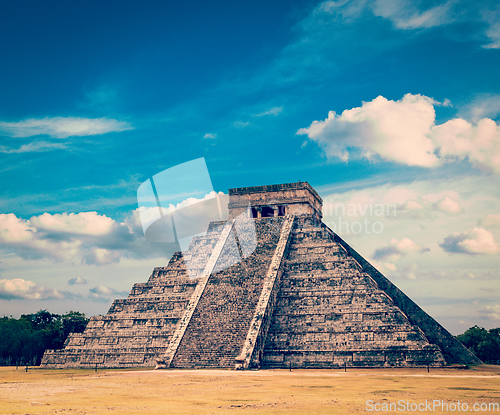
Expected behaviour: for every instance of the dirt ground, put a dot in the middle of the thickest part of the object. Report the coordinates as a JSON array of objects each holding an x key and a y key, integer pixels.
[{"x": 42, "y": 391}]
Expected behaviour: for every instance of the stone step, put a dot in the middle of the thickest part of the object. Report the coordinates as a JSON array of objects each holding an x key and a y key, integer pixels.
[{"x": 220, "y": 324}]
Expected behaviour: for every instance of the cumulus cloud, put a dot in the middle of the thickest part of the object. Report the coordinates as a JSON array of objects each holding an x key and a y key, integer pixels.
[
  {"x": 63, "y": 127},
  {"x": 77, "y": 281},
  {"x": 210, "y": 136},
  {"x": 22, "y": 237},
  {"x": 405, "y": 132},
  {"x": 101, "y": 292},
  {"x": 18, "y": 288},
  {"x": 101, "y": 256},
  {"x": 85, "y": 237},
  {"x": 397, "y": 249},
  {"x": 459, "y": 139},
  {"x": 13, "y": 229},
  {"x": 394, "y": 130},
  {"x": 472, "y": 242},
  {"x": 448, "y": 205},
  {"x": 410, "y": 272},
  {"x": 83, "y": 223}
]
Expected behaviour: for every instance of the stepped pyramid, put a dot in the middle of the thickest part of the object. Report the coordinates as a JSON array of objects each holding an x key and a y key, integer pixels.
[{"x": 288, "y": 291}]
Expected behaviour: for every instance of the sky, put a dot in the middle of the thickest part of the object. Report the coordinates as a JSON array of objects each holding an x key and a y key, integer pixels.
[{"x": 390, "y": 109}]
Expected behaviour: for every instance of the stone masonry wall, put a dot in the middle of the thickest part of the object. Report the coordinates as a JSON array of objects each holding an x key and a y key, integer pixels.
[
  {"x": 137, "y": 330},
  {"x": 453, "y": 350},
  {"x": 220, "y": 323},
  {"x": 330, "y": 312},
  {"x": 297, "y": 197}
]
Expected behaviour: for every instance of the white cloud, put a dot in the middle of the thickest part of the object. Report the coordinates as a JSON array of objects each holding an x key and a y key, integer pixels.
[
  {"x": 271, "y": 111},
  {"x": 405, "y": 14},
  {"x": 35, "y": 147},
  {"x": 193, "y": 221},
  {"x": 410, "y": 272},
  {"x": 459, "y": 139},
  {"x": 347, "y": 9},
  {"x": 22, "y": 289},
  {"x": 103, "y": 292},
  {"x": 63, "y": 127},
  {"x": 91, "y": 238},
  {"x": 398, "y": 248},
  {"x": 101, "y": 256},
  {"x": 474, "y": 241},
  {"x": 416, "y": 15},
  {"x": 186, "y": 202},
  {"x": 77, "y": 281},
  {"x": 404, "y": 131},
  {"x": 210, "y": 136},
  {"x": 13, "y": 229},
  {"x": 84, "y": 237},
  {"x": 448, "y": 205},
  {"x": 394, "y": 130},
  {"x": 83, "y": 223}
]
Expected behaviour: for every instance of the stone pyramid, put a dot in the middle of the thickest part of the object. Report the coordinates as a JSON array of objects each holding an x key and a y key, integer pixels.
[{"x": 301, "y": 297}]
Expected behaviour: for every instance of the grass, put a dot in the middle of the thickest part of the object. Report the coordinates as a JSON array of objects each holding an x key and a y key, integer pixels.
[{"x": 72, "y": 391}]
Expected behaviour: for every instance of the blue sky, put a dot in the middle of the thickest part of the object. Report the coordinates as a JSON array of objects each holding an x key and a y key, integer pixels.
[{"x": 382, "y": 102}]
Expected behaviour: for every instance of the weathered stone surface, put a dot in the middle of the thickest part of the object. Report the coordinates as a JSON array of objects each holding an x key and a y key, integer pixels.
[
  {"x": 330, "y": 312},
  {"x": 220, "y": 324},
  {"x": 276, "y": 200},
  {"x": 137, "y": 330},
  {"x": 283, "y": 291},
  {"x": 452, "y": 349},
  {"x": 227, "y": 234},
  {"x": 254, "y": 343}
]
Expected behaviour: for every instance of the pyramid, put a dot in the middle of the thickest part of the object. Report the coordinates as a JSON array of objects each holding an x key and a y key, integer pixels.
[{"x": 299, "y": 296}]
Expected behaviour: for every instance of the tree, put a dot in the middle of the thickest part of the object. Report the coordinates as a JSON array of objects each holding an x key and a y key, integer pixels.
[
  {"x": 483, "y": 343},
  {"x": 24, "y": 341}
]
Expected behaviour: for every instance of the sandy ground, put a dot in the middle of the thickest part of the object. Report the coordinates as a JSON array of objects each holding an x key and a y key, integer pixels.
[{"x": 42, "y": 391}]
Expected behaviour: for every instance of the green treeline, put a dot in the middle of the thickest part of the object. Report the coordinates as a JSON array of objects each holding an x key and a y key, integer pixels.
[
  {"x": 485, "y": 344},
  {"x": 23, "y": 341}
]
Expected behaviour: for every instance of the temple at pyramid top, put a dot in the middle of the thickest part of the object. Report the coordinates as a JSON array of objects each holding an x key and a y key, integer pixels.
[{"x": 276, "y": 200}]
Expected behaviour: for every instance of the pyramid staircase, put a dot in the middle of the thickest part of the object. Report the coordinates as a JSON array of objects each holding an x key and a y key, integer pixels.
[{"x": 222, "y": 318}]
